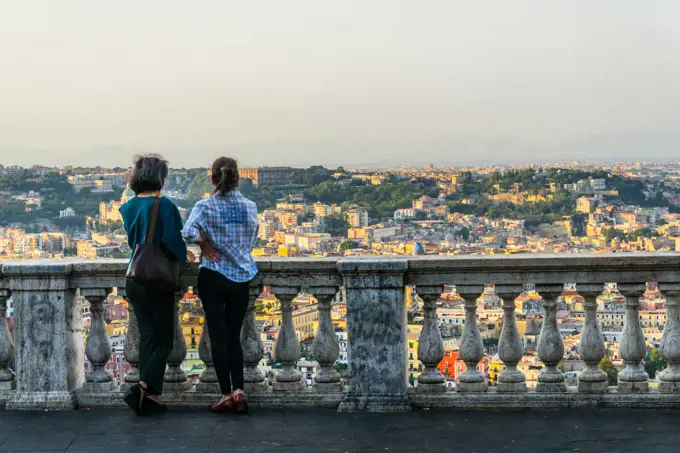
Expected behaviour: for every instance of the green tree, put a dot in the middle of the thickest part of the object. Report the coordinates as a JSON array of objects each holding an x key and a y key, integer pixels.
[
  {"x": 421, "y": 215},
  {"x": 347, "y": 245},
  {"x": 608, "y": 367},
  {"x": 312, "y": 176},
  {"x": 336, "y": 225},
  {"x": 654, "y": 362}
]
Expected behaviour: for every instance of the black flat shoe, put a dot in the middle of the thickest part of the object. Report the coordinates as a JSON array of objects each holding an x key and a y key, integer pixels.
[
  {"x": 151, "y": 407},
  {"x": 133, "y": 398}
]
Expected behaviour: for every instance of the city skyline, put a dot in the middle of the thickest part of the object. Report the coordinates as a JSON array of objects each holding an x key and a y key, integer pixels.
[{"x": 451, "y": 83}]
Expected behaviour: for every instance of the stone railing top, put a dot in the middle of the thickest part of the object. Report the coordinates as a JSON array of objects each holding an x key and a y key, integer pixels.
[{"x": 468, "y": 270}]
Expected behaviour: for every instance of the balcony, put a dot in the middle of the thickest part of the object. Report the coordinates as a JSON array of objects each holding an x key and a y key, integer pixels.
[{"x": 50, "y": 357}]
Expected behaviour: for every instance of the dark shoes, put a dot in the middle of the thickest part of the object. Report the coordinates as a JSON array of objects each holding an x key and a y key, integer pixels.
[{"x": 136, "y": 399}]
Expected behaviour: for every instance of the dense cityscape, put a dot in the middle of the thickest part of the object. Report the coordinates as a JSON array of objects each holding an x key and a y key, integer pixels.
[{"x": 563, "y": 208}]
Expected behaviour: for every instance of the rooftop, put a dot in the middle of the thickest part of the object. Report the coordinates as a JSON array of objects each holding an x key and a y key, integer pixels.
[{"x": 319, "y": 430}]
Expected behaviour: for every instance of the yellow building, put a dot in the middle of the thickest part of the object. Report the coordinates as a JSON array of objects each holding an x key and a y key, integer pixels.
[
  {"x": 192, "y": 328},
  {"x": 414, "y": 365},
  {"x": 116, "y": 328},
  {"x": 496, "y": 367},
  {"x": 304, "y": 321}
]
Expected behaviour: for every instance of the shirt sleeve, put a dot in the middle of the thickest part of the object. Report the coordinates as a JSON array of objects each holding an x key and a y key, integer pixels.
[
  {"x": 255, "y": 227},
  {"x": 195, "y": 224},
  {"x": 123, "y": 214},
  {"x": 172, "y": 234}
]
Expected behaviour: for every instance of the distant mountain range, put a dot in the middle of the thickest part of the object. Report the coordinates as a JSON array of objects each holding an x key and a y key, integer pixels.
[{"x": 356, "y": 153}]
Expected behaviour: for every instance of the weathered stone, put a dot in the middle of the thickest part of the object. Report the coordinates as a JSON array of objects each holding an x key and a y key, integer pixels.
[
  {"x": 175, "y": 379},
  {"x": 591, "y": 347},
  {"x": 633, "y": 347},
  {"x": 377, "y": 332},
  {"x": 98, "y": 348},
  {"x": 208, "y": 382},
  {"x": 131, "y": 349},
  {"x": 550, "y": 347},
  {"x": 431, "y": 348},
  {"x": 253, "y": 350},
  {"x": 287, "y": 350},
  {"x": 471, "y": 346},
  {"x": 48, "y": 335},
  {"x": 670, "y": 344},
  {"x": 326, "y": 349},
  {"x": 7, "y": 378},
  {"x": 510, "y": 347}
]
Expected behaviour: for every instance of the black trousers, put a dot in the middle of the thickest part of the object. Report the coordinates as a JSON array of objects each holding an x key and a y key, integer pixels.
[
  {"x": 155, "y": 311},
  {"x": 225, "y": 303}
]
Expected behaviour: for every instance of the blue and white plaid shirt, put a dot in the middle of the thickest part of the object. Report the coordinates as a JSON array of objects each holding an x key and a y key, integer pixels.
[{"x": 230, "y": 223}]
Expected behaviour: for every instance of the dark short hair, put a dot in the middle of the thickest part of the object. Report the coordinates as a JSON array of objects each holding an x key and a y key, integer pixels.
[{"x": 148, "y": 173}]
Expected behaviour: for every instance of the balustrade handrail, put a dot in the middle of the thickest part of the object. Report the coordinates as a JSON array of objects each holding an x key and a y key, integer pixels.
[
  {"x": 661, "y": 267},
  {"x": 374, "y": 288}
]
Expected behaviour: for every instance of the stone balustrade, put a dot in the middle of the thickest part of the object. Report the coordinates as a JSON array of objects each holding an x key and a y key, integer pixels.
[{"x": 47, "y": 353}]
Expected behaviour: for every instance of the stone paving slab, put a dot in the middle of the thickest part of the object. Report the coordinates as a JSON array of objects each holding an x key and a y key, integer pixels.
[{"x": 326, "y": 431}]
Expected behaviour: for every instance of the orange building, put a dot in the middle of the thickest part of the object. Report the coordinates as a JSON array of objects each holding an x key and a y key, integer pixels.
[{"x": 452, "y": 365}]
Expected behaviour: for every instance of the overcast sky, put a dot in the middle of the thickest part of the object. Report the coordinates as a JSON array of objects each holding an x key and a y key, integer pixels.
[{"x": 331, "y": 82}]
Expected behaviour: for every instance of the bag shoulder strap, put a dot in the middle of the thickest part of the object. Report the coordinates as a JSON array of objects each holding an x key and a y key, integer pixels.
[{"x": 151, "y": 231}]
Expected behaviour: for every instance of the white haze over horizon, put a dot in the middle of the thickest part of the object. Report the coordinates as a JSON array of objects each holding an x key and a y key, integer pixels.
[{"x": 373, "y": 82}]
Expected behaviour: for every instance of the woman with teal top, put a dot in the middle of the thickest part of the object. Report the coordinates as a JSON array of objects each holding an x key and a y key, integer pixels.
[{"x": 153, "y": 304}]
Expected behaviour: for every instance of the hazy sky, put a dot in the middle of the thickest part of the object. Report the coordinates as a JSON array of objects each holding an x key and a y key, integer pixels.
[{"x": 312, "y": 81}]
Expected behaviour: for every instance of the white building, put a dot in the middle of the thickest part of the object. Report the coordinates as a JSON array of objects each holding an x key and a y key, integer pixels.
[
  {"x": 68, "y": 212},
  {"x": 309, "y": 242},
  {"x": 405, "y": 214},
  {"x": 342, "y": 341},
  {"x": 598, "y": 184}
]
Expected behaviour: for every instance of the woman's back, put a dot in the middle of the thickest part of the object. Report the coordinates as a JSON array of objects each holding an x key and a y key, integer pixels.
[
  {"x": 136, "y": 215},
  {"x": 229, "y": 222}
]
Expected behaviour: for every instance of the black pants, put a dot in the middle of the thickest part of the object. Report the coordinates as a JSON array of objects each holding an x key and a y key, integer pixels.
[
  {"x": 225, "y": 303},
  {"x": 155, "y": 311}
]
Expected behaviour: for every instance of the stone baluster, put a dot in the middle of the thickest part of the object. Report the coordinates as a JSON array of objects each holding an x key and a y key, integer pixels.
[
  {"x": 131, "y": 348},
  {"x": 49, "y": 336},
  {"x": 207, "y": 382},
  {"x": 670, "y": 344},
  {"x": 550, "y": 346},
  {"x": 326, "y": 349},
  {"x": 591, "y": 347},
  {"x": 377, "y": 332},
  {"x": 7, "y": 378},
  {"x": 253, "y": 350},
  {"x": 98, "y": 348},
  {"x": 430, "y": 348},
  {"x": 633, "y": 347},
  {"x": 510, "y": 347},
  {"x": 471, "y": 346},
  {"x": 287, "y": 350},
  {"x": 175, "y": 379}
]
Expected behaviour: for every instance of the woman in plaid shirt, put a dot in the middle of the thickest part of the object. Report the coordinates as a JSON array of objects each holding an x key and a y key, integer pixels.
[{"x": 225, "y": 227}]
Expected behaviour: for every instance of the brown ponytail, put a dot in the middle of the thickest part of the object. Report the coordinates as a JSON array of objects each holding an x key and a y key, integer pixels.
[{"x": 224, "y": 175}]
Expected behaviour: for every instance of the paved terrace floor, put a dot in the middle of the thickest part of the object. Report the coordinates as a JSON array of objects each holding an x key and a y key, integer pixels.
[{"x": 311, "y": 431}]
